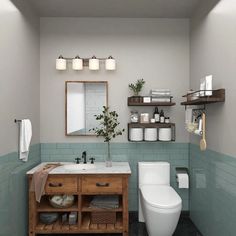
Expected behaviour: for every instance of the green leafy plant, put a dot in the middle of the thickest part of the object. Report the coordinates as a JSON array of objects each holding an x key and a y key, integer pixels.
[
  {"x": 108, "y": 128},
  {"x": 137, "y": 87}
]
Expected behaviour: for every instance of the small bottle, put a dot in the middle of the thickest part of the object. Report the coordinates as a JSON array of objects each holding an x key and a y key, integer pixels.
[
  {"x": 156, "y": 115},
  {"x": 162, "y": 117},
  {"x": 167, "y": 120},
  {"x": 72, "y": 218}
]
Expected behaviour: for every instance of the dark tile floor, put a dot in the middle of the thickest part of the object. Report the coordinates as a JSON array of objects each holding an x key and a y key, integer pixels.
[{"x": 185, "y": 227}]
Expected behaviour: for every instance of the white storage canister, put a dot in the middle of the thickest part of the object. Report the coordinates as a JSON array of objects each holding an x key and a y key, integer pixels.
[
  {"x": 150, "y": 134},
  {"x": 165, "y": 134},
  {"x": 136, "y": 134}
]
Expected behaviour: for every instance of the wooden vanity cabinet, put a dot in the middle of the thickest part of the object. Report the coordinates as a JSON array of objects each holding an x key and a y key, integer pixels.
[{"x": 83, "y": 187}]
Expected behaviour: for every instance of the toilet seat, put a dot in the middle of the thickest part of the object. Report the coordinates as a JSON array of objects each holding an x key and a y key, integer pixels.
[{"x": 160, "y": 196}]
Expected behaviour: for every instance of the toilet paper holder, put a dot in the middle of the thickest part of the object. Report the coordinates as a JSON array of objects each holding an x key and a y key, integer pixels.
[
  {"x": 181, "y": 170},
  {"x": 182, "y": 177}
]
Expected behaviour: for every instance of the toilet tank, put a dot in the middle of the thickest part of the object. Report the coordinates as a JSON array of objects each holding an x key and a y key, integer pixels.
[{"x": 157, "y": 173}]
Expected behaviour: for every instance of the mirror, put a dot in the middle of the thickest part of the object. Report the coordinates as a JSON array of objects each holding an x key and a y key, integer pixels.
[{"x": 84, "y": 99}]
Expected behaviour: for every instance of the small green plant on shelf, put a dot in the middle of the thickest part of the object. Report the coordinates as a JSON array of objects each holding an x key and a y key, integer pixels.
[
  {"x": 108, "y": 129},
  {"x": 137, "y": 87}
]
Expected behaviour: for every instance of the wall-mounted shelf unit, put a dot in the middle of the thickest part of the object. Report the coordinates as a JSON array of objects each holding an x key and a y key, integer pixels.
[
  {"x": 217, "y": 96},
  {"x": 152, "y": 125},
  {"x": 139, "y": 102}
]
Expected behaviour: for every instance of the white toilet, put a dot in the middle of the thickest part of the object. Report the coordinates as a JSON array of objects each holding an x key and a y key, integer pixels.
[{"x": 159, "y": 205}]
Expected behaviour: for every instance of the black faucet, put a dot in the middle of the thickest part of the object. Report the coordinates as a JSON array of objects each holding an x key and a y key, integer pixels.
[{"x": 84, "y": 157}]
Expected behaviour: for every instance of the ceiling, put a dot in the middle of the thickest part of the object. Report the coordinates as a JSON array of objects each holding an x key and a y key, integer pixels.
[{"x": 116, "y": 8}]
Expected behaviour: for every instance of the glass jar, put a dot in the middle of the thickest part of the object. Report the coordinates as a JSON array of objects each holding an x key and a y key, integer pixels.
[
  {"x": 144, "y": 118},
  {"x": 134, "y": 117}
]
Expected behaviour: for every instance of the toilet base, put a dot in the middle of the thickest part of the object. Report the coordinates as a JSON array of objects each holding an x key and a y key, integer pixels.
[{"x": 160, "y": 222}]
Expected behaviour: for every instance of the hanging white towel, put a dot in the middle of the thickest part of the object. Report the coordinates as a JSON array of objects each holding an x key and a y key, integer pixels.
[{"x": 25, "y": 138}]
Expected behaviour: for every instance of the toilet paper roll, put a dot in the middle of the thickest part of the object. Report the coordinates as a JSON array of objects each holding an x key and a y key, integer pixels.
[
  {"x": 182, "y": 180},
  {"x": 165, "y": 134},
  {"x": 136, "y": 134},
  {"x": 150, "y": 134}
]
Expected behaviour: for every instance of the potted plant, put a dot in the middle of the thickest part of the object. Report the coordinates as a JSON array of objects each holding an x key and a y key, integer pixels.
[
  {"x": 136, "y": 89},
  {"x": 108, "y": 129}
]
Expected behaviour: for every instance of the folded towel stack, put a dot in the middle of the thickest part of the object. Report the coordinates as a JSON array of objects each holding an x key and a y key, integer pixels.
[
  {"x": 160, "y": 95},
  {"x": 106, "y": 201}
]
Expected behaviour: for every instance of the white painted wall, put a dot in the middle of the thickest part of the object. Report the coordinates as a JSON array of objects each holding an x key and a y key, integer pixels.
[
  {"x": 213, "y": 51},
  {"x": 154, "y": 49},
  {"x": 19, "y": 71}
]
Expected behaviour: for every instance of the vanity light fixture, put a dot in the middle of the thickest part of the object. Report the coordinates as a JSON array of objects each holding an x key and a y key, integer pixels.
[
  {"x": 110, "y": 63},
  {"x": 79, "y": 63},
  {"x": 60, "y": 63},
  {"x": 94, "y": 63}
]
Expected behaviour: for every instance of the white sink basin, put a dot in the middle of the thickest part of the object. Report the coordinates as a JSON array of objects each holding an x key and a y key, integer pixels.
[{"x": 79, "y": 166}]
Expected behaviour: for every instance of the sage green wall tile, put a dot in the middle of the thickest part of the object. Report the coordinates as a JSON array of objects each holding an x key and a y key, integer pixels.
[
  {"x": 175, "y": 153},
  {"x": 13, "y": 192},
  {"x": 14, "y": 183},
  {"x": 212, "y": 192}
]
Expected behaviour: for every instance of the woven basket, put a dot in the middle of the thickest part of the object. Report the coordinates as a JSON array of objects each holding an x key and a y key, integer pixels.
[{"x": 103, "y": 217}]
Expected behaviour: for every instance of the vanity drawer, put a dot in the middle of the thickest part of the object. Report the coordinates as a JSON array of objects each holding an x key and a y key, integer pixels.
[
  {"x": 61, "y": 184},
  {"x": 101, "y": 184}
]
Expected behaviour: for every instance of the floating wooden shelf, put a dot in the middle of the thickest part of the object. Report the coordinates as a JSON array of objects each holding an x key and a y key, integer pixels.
[
  {"x": 150, "y": 125},
  {"x": 141, "y": 103},
  {"x": 217, "y": 96}
]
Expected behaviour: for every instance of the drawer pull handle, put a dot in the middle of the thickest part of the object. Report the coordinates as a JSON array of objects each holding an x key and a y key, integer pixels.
[
  {"x": 54, "y": 185},
  {"x": 102, "y": 184}
]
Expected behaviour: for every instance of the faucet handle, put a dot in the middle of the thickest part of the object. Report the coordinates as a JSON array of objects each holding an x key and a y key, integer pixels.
[
  {"x": 77, "y": 159},
  {"x": 92, "y": 159}
]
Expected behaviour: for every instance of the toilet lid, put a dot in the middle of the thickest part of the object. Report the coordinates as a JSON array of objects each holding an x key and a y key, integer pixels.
[{"x": 161, "y": 196}]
